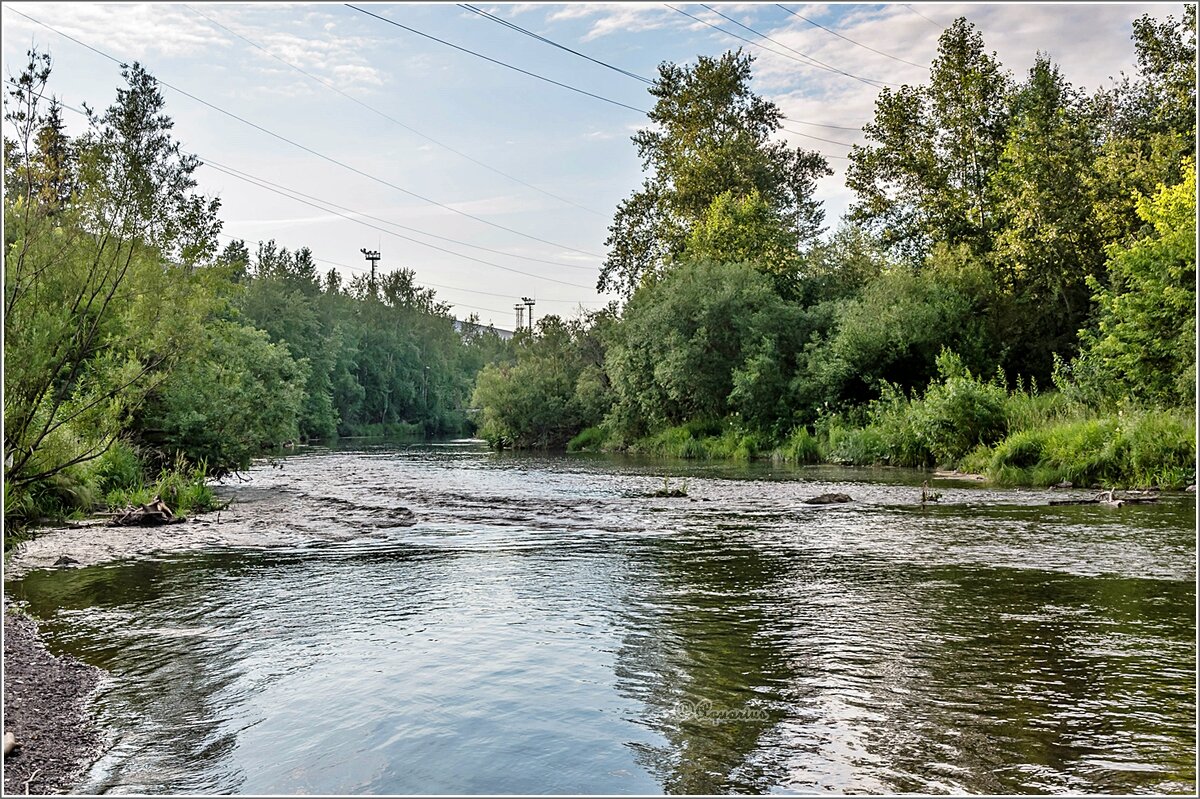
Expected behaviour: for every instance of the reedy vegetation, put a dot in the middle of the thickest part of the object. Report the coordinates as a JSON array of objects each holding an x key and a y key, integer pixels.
[{"x": 1012, "y": 292}]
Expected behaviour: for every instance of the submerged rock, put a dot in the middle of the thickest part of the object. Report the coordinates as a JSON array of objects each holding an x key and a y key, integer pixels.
[{"x": 828, "y": 499}]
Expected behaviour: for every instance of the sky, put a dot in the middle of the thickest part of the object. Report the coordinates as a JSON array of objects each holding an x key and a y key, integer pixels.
[{"x": 491, "y": 184}]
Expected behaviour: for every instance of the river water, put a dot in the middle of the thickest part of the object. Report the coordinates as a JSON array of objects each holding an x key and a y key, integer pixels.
[{"x": 441, "y": 619}]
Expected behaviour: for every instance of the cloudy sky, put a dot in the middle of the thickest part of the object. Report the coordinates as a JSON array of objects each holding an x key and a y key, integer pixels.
[{"x": 489, "y": 183}]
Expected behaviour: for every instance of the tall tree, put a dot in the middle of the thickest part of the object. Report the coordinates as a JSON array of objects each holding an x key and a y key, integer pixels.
[
  {"x": 1050, "y": 242},
  {"x": 710, "y": 135},
  {"x": 99, "y": 300},
  {"x": 928, "y": 176},
  {"x": 1147, "y": 122}
]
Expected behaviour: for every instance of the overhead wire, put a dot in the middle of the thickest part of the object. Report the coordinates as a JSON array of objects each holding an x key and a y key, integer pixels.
[
  {"x": 397, "y": 224},
  {"x": 641, "y": 78},
  {"x": 540, "y": 38},
  {"x": 393, "y": 233},
  {"x": 311, "y": 151},
  {"x": 495, "y": 61},
  {"x": 922, "y": 16},
  {"x": 317, "y": 204},
  {"x": 852, "y": 41},
  {"x": 811, "y": 62},
  {"x": 390, "y": 118}
]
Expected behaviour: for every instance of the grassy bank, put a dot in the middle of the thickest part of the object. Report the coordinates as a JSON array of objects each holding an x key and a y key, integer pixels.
[
  {"x": 116, "y": 479},
  {"x": 1016, "y": 437}
]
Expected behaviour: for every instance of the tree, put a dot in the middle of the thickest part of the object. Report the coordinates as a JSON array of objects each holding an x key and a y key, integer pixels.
[
  {"x": 1147, "y": 122},
  {"x": 1050, "y": 242},
  {"x": 555, "y": 388},
  {"x": 1144, "y": 343},
  {"x": 928, "y": 177},
  {"x": 100, "y": 296},
  {"x": 239, "y": 393},
  {"x": 710, "y": 135},
  {"x": 683, "y": 340}
]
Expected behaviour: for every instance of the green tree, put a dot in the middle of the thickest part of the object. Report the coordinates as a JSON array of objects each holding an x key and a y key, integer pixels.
[
  {"x": 101, "y": 299},
  {"x": 1147, "y": 122},
  {"x": 685, "y": 338},
  {"x": 1144, "y": 343},
  {"x": 928, "y": 176},
  {"x": 1050, "y": 243},
  {"x": 555, "y": 388},
  {"x": 710, "y": 135},
  {"x": 239, "y": 393}
]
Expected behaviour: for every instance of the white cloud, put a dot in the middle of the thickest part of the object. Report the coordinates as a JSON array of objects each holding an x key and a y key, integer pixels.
[
  {"x": 610, "y": 18},
  {"x": 125, "y": 31}
]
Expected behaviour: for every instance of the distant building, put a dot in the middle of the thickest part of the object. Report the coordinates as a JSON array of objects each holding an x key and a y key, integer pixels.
[{"x": 464, "y": 327}]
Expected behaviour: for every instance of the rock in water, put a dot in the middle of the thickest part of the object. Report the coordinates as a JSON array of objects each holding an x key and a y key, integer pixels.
[
  {"x": 828, "y": 499},
  {"x": 1191, "y": 489},
  {"x": 1063, "y": 484}
]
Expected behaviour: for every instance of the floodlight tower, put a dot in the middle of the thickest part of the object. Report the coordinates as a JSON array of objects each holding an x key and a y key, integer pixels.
[
  {"x": 530, "y": 303},
  {"x": 372, "y": 256}
]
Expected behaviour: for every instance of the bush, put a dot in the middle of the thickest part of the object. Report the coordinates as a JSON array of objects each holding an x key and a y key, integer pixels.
[
  {"x": 959, "y": 412},
  {"x": 800, "y": 447},
  {"x": 855, "y": 447},
  {"x": 590, "y": 438},
  {"x": 118, "y": 469}
]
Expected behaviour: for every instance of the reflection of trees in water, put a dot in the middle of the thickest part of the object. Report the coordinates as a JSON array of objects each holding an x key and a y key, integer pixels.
[
  {"x": 1050, "y": 682},
  {"x": 701, "y": 638}
]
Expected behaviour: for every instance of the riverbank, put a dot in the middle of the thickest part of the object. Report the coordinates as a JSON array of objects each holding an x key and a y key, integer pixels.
[
  {"x": 45, "y": 700},
  {"x": 1023, "y": 441}
]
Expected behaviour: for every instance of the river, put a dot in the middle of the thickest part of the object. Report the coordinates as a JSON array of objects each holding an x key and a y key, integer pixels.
[{"x": 382, "y": 618}]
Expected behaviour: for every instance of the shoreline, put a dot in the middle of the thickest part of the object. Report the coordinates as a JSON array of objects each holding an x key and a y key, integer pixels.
[{"x": 46, "y": 698}]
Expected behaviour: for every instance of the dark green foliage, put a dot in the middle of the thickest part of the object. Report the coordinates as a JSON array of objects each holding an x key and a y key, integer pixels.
[
  {"x": 903, "y": 319},
  {"x": 240, "y": 393},
  {"x": 555, "y": 388},
  {"x": 709, "y": 156},
  {"x": 707, "y": 340}
]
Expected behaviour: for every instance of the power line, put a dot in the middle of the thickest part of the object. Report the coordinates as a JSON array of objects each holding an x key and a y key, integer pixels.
[
  {"x": 448, "y": 288},
  {"x": 328, "y": 210},
  {"x": 922, "y": 16},
  {"x": 847, "y": 38},
  {"x": 323, "y": 205},
  {"x": 396, "y": 224},
  {"x": 541, "y": 38},
  {"x": 549, "y": 80},
  {"x": 868, "y": 81},
  {"x": 388, "y": 117},
  {"x": 815, "y": 65},
  {"x": 423, "y": 283},
  {"x": 494, "y": 61},
  {"x": 314, "y": 152},
  {"x": 633, "y": 75}
]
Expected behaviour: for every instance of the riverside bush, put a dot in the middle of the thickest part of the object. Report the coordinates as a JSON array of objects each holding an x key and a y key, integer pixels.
[
  {"x": 958, "y": 412},
  {"x": 800, "y": 447}
]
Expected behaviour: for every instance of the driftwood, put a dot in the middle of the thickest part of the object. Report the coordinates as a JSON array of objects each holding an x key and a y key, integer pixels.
[
  {"x": 1110, "y": 500},
  {"x": 154, "y": 512}
]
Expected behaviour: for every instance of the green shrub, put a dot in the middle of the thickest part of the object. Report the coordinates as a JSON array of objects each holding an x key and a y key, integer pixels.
[
  {"x": 800, "y": 447},
  {"x": 590, "y": 438},
  {"x": 117, "y": 469},
  {"x": 855, "y": 447},
  {"x": 1162, "y": 449},
  {"x": 959, "y": 412}
]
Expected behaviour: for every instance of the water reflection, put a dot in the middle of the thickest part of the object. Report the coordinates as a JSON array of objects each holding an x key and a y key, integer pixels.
[{"x": 536, "y": 625}]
